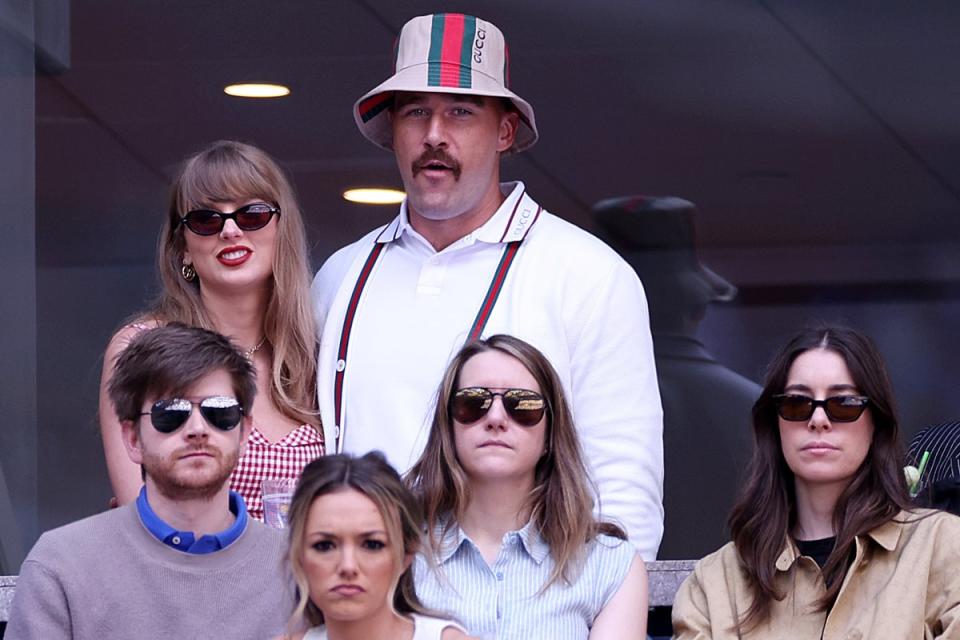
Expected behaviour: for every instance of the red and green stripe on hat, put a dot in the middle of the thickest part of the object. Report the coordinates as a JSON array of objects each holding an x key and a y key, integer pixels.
[
  {"x": 449, "y": 59},
  {"x": 451, "y": 51}
]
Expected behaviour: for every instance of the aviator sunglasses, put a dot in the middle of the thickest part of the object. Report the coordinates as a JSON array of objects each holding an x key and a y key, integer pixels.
[
  {"x": 205, "y": 222},
  {"x": 524, "y": 407},
  {"x": 222, "y": 412},
  {"x": 795, "y": 408}
]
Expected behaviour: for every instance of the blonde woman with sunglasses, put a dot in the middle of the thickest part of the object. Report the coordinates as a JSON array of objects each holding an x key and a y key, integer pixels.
[
  {"x": 232, "y": 258},
  {"x": 514, "y": 550}
]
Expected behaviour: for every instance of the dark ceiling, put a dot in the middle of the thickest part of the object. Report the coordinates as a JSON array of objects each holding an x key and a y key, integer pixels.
[{"x": 819, "y": 139}]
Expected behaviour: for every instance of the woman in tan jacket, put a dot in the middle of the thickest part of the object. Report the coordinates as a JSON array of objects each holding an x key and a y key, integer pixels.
[{"x": 824, "y": 544}]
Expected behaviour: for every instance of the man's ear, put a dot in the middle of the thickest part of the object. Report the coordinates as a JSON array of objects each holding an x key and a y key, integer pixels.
[
  {"x": 131, "y": 440},
  {"x": 246, "y": 426},
  {"x": 509, "y": 123}
]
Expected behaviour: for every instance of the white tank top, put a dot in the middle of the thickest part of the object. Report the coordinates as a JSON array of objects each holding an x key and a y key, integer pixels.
[{"x": 424, "y": 628}]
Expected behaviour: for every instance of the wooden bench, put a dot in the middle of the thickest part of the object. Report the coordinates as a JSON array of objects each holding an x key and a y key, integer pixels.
[
  {"x": 665, "y": 579},
  {"x": 7, "y": 583}
]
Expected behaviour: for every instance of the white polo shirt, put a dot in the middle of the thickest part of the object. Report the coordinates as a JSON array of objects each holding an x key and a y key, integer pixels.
[{"x": 567, "y": 293}]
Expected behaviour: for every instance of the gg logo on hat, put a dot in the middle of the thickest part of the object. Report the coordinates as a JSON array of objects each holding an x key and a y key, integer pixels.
[{"x": 445, "y": 53}]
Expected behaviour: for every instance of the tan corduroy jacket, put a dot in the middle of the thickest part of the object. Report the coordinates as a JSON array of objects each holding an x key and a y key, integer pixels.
[{"x": 904, "y": 584}]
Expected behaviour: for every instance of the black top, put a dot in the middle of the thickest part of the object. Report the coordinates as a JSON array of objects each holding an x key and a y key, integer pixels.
[{"x": 819, "y": 550}]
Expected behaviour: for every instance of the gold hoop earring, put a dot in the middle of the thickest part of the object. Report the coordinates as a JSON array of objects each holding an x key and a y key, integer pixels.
[{"x": 188, "y": 272}]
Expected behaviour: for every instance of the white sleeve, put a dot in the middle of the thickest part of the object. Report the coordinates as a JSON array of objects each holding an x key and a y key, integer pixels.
[
  {"x": 327, "y": 282},
  {"x": 617, "y": 410}
]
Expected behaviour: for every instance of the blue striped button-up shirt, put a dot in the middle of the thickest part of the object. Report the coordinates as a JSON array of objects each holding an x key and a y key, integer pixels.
[{"x": 504, "y": 601}]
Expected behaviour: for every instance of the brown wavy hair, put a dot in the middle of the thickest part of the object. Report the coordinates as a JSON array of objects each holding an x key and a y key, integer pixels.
[
  {"x": 228, "y": 170},
  {"x": 563, "y": 496},
  {"x": 765, "y": 511},
  {"x": 372, "y": 476}
]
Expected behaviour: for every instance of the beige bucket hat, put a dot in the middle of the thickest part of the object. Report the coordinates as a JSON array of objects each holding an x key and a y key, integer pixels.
[{"x": 445, "y": 53}]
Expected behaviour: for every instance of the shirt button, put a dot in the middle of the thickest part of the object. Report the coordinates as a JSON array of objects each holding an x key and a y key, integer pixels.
[
  {"x": 499, "y": 575},
  {"x": 175, "y": 540}
]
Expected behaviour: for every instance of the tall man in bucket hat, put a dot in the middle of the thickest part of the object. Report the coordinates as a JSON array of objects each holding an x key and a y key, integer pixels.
[{"x": 469, "y": 257}]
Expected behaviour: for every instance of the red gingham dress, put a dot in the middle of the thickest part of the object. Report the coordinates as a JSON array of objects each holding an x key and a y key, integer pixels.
[{"x": 285, "y": 458}]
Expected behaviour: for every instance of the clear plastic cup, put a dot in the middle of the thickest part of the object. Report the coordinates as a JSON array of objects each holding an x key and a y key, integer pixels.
[{"x": 277, "y": 493}]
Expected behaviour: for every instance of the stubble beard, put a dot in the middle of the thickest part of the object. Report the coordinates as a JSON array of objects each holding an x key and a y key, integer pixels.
[{"x": 183, "y": 485}]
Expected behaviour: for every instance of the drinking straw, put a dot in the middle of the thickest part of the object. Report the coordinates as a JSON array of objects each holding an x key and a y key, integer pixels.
[{"x": 923, "y": 464}]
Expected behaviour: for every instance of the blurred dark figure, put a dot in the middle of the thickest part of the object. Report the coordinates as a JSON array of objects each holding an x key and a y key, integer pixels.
[
  {"x": 706, "y": 407},
  {"x": 940, "y": 482}
]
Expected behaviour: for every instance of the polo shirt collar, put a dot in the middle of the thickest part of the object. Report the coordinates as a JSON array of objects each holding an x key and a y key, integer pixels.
[
  {"x": 886, "y": 535},
  {"x": 186, "y": 541},
  {"x": 529, "y": 537},
  {"x": 536, "y": 547},
  {"x": 511, "y": 221}
]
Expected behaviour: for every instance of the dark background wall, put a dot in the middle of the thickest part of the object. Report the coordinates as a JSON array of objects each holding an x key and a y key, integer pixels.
[{"x": 18, "y": 339}]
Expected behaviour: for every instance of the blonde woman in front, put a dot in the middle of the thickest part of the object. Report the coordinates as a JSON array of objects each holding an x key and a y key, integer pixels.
[
  {"x": 514, "y": 550},
  {"x": 232, "y": 257},
  {"x": 354, "y": 528}
]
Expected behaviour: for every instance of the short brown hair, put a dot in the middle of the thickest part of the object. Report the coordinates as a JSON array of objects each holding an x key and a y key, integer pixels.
[{"x": 170, "y": 358}]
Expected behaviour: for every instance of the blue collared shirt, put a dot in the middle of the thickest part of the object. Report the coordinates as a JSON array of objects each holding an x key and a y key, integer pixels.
[
  {"x": 185, "y": 540},
  {"x": 506, "y": 600}
]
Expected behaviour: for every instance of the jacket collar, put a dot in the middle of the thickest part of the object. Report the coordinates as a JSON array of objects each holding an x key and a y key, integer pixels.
[{"x": 886, "y": 535}]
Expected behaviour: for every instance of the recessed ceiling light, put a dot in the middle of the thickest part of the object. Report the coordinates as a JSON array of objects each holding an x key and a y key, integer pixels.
[
  {"x": 374, "y": 196},
  {"x": 257, "y": 90}
]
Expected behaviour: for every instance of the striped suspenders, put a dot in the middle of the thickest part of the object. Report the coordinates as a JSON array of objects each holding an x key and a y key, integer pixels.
[
  {"x": 345, "y": 334},
  {"x": 479, "y": 323}
]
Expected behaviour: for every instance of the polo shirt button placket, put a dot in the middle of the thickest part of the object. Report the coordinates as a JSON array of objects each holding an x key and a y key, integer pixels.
[{"x": 498, "y": 575}]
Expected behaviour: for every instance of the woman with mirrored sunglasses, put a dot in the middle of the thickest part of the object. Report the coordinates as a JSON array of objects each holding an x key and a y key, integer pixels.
[
  {"x": 232, "y": 257},
  {"x": 509, "y": 508},
  {"x": 825, "y": 543}
]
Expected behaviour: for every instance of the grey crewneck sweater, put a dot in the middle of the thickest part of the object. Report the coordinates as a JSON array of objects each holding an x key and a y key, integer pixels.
[{"x": 107, "y": 577}]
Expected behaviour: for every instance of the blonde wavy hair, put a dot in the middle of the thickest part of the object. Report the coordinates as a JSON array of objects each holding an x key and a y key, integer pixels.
[
  {"x": 561, "y": 502},
  {"x": 228, "y": 170},
  {"x": 372, "y": 476}
]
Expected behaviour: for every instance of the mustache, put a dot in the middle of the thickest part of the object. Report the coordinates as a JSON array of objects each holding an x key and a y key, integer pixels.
[
  {"x": 184, "y": 451},
  {"x": 436, "y": 155}
]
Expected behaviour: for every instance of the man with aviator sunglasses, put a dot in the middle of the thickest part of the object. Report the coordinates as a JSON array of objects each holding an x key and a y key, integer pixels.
[{"x": 184, "y": 556}]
